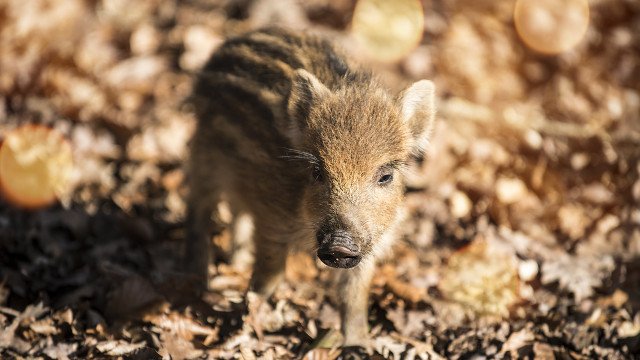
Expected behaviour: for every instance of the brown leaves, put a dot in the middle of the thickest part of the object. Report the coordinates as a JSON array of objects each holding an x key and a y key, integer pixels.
[
  {"x": 577, "y": 274},
  {"x": 537, "y": 156},
  {"x": 118, "y": 347},
  {"x": 8, "y": 336},
  {"x": 482, "y": 277},
  {"x": 325, "y": 346},
  {"x": 402, "y": 289},
  {"x": 265, "y": 318},
  {"x": 60, "y": 351}
]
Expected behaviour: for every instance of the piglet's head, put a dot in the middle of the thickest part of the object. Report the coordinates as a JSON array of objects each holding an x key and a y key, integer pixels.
[{"x": 356, "y": 140}]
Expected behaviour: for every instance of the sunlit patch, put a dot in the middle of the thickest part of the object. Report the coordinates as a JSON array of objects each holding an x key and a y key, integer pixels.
[
  {"x": 388, "y": 30},
  {"x": 482, "y": 278},
  {"x": 35, "y": 166},
  {"x": 551, "y": 26}
]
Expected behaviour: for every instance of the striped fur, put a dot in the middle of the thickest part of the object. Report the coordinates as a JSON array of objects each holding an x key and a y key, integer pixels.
[{"x": 299, "y": 140}]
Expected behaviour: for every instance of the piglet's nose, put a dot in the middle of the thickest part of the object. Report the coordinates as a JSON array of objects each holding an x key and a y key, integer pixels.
[
  {"x": 339, "y": 251},
  {"x": 338, "y": 256}
]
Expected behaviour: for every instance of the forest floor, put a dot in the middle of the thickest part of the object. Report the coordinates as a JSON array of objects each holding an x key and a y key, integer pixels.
[{"x": 523, "y": 239}]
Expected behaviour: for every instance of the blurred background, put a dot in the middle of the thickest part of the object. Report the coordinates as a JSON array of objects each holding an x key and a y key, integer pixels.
[{"x": 524, "y": 231}]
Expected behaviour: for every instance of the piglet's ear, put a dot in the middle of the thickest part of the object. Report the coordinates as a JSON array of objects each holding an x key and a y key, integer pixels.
[
  {"x": 306, "y": 90},
  {"x": 419, "y": 112}
]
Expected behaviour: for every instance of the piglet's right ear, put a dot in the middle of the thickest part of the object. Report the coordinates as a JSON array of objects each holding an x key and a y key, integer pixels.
[
  {"x": 419, "y": 112},
  {"x": 306, "y": 90}
]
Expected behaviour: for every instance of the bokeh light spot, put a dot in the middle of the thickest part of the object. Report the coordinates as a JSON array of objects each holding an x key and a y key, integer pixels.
[
  {"x": 551, "y": 26},
  {"x": 388, "y": 29},
  {"x": 35, "y": 166}
]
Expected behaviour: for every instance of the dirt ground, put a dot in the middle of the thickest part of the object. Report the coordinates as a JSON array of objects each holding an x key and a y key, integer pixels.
[{"x": 523, "y": 239}]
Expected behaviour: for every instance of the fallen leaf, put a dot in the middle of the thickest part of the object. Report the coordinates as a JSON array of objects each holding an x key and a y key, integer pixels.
[
  {"x": 388, "y": 346},
  {"x": 325, "y": 346},
  {"x": 44, "y": 327},
  {"x": 577, "y": 274},
  {"x": 406, "y": 291},
  {"x": 60, "y": 351},
  {"x": 118, "y": 347},
  {"x": 181, "y": 325},
  {"x": 517, "y": 340},
  {"x": 482, "y": 278},
  {"x": 543, "y": 351}
]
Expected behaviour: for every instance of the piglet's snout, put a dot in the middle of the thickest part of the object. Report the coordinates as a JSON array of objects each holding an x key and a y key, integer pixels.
[{"x": 337, "y": 249}]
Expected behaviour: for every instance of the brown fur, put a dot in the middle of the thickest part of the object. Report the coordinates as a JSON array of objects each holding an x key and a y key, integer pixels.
[{"x": 297, "y": 139}]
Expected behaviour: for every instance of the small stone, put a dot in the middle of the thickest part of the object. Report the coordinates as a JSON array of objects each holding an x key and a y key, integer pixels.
[
  {"x": 579, "y": 161},
  {"x": 597, "y": 193},
  {"x": 460, "y": 204},
  {"x": 145, "y": 40},
  {"x": 510, "y": 190},
  {"x": 528, "y": 270},
  {"x": 533, "y": 139}
]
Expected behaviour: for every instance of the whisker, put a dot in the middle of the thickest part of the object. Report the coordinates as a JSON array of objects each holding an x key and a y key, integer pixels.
[{"x": 295, "y": 154}]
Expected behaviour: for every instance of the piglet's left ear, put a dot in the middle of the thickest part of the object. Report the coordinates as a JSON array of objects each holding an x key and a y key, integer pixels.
[{"x": 419, "y": 112}]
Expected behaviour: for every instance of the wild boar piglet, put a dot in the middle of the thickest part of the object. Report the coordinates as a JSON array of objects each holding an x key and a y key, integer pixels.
[{"x": 308, "y": 149}]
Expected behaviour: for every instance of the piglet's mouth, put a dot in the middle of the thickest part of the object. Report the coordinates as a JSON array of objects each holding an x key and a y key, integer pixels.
[{"x": 338, "y": 256}]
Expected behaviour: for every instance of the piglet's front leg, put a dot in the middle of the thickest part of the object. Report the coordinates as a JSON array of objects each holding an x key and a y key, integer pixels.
[{"x": 353, "y": 291}]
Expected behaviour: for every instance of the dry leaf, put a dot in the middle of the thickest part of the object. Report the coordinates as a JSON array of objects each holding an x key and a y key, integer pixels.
[
  {"x": 325, "y": 346},
  {"x": 389, "y": 347},
  {"x": 118, "y": 347},
  {"x": 481, "y": 277},
  {"x": 60, "y": 351},
  {"x": 577, "y": 274},
  {"x": 517, "y": 340},
  {"x": 181, "y": 325},
  {"x": 543, "y": 351}
]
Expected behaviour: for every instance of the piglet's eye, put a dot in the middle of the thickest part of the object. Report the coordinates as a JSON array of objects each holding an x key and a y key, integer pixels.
[
  {"x": 385, "y": 179},
  {"x": 316, "y": 174}
]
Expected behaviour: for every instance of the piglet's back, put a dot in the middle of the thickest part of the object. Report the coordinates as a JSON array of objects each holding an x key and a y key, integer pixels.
[{"x": 248, "y": 79}]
